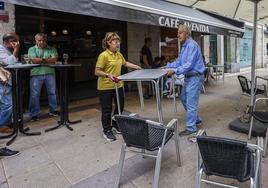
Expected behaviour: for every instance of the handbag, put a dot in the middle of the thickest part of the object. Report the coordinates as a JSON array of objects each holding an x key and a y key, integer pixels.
[{"x": 3, "y": 76}]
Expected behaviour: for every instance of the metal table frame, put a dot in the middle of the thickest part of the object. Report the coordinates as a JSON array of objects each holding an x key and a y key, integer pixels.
[
  {"x": 140, "y": 76},
  {"x": 64, "y": 97},
  {"x": 17, "y": 112}
]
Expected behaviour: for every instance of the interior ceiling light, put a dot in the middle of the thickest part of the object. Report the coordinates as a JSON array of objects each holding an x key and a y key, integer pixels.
[
  {"x": 65, "y": 32},
  {"x": 88, "y": 32},
  {"x": 53, "y": 33}
]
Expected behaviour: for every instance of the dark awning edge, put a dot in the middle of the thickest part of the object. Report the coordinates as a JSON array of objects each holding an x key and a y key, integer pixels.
[{"x": 131, "y": 11}]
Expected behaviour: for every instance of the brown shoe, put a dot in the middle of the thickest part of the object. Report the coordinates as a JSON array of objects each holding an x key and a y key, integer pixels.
[{"x": 5, "y": 130}]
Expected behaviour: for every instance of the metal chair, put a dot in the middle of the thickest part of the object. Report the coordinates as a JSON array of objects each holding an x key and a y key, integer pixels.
[
  {"x": 246, "y": 88},
  {"x": 261, "y": 116},
  {"x": 148, "y": 136},
  {"x": 228, "y": 158}
]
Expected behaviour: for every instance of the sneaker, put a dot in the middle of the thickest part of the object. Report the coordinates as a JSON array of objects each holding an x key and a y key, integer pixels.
[
  {"x": 187, "y": 133},
  {"x": 109, "y": 136},
  {"x": 5, "y": 152},
  {"x": 55, "y": 113},
  {"x": 172, "y": 96},
  {"x": 35, "y": 118}
]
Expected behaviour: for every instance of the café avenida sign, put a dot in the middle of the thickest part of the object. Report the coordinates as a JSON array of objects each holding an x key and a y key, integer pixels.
[{"x": 174, "y": 23}]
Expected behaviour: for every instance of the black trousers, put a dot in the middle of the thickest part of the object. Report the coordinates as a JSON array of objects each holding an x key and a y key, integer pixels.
[{"x": 107, "y": 97}]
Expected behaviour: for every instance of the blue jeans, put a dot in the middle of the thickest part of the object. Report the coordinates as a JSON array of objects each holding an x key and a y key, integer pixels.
[
  {"x": 5, "y": 104},
  {"x": 36, "y": 84},
  {"x": 190, "y": 98}
]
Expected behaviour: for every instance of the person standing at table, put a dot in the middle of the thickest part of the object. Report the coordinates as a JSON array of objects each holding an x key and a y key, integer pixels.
[
  {"x": 190, "y": 63},
  {"x": 42, "y": 54},
  {"x": 146, "y": 60},
  {"x": 8, "y": 55},
  {"x": 108, "y": 67}
]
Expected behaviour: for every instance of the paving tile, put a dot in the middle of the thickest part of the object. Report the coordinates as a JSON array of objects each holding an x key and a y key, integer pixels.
[
  {"x": 27, "y": 161},
  {"x": 44, "y": 177},
  {"x": 3, "y": 185},
  {"x": 81, "y": 166},
  {"x": 3, "y": 179}
]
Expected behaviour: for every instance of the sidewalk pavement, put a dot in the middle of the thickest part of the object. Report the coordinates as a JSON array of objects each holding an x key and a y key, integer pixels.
[{"x": 83, "y": 159}]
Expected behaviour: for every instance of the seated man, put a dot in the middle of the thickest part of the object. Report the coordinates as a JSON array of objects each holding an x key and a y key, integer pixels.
[
  {"x": 42, "y": 54},
  {"x": 8, "y": 55}
]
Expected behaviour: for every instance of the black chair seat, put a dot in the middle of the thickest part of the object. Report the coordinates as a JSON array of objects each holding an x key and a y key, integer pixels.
[{"x": 261, "y": 116}]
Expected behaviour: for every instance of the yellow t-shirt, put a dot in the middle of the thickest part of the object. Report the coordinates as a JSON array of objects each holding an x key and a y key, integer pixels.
[{"x": 110, "y": 63}]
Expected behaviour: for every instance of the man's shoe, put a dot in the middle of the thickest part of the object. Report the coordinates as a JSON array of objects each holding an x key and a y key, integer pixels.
[
  {"x": 5, "y": 152},
  {"x": 35, "y": 118},
  {"x": 5, "y": 130},
  {"x": 109, "y": 136},
  {"x": 55, "y": 113},
  {"x": 198, "y": 123},
  {"x": 187, "y": 133}
]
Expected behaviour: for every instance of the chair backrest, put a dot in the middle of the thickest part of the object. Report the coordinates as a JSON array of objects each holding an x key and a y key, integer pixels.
[
  {"x": 138, "y": 133},
  {"x": 226, "y": 157},
  {"x": 244, "y": 84}
]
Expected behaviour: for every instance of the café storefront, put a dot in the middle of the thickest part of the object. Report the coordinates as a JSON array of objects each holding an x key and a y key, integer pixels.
[{"x": 77, "y": 28}]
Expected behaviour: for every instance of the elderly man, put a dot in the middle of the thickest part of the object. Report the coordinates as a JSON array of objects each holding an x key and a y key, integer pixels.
[
  {"x": 8, "y": 55},
  {"x": 42, "y": 54},
  {"x": 190, "y": 63}
]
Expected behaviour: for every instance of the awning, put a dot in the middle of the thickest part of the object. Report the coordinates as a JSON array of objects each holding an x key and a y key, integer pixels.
[{"x": 153, "y": 12}]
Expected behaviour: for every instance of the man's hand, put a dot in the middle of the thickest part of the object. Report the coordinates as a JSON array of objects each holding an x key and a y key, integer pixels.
[
  {"x": 170, "y": 72},
  {"x": 16, "y": 48},
  {"x": 15, "y": 45}
]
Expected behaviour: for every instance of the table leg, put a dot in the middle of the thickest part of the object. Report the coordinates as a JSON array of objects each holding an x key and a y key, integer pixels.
[
  {"x": 139, "y": 84},
  {"x": 158, "y": 100},
  {"x": 117, "y": 99},
  {"x": 64, "y": 103},
  {"x": 20, "y": 110}
]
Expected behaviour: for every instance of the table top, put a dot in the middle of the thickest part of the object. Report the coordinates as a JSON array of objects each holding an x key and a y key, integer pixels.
[
  {"x": 63, "y": 65},
  {"x": 21, "y": 66},
  {"x": 144, "y": 74}
]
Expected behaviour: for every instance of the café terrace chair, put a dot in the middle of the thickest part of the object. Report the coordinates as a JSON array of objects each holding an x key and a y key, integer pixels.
[
  {"x": 147, "y": 136},
  {"x": 246, "y": 89},
  {"x": 261, "y": 116},
  {"x": 228, "y": 158}
]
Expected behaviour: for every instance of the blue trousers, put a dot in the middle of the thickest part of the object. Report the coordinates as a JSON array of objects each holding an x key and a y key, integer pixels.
[
  {"x": 36, "y": 84},
  {"x": 5, "y": 104},
  {"x": 190, "y": 99}
]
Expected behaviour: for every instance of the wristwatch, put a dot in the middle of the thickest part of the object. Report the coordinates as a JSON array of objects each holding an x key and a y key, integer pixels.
[
  {"x": 106, "y": 75},
  {"x": 43, "y": 60}
]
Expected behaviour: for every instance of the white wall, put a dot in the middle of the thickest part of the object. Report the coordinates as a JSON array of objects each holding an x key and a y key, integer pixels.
[
  {"x": 136, "y": 34},
  {"x": 10, "y": 26}
]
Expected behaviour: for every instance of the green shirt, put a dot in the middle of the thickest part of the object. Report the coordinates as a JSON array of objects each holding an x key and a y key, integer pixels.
[{"x": 35, "y": 52}]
